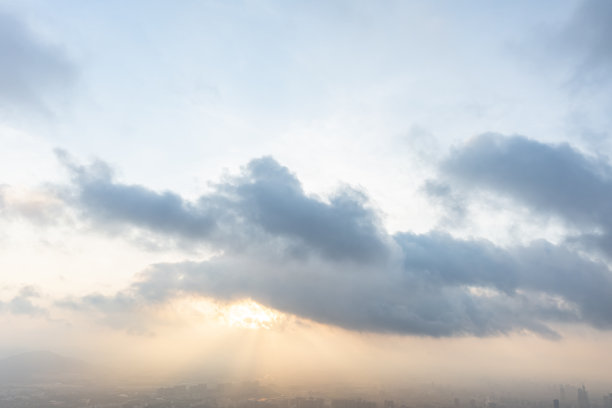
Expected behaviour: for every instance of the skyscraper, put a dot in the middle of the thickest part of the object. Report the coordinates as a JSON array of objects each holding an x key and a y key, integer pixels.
[{"x": 583, "y": 398}]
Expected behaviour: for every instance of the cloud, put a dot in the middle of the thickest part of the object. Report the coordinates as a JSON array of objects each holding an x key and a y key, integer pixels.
[
  {"x": 22, "y": 303},
  {"x": 550, "y": 179},
  {"x": 31, "y": 67},
  {"x": 108, "y": 202},
  {"x": 454, "y": 205},
  {"x": 331, "y": 260},
  {"x": 441, "y": 286},
  {"x": 586, "y": 39},
  {"x": 264, "y": 203}
]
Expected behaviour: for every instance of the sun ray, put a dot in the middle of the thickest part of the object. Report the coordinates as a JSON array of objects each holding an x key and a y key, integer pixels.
[{"x": 248, "y": 314}]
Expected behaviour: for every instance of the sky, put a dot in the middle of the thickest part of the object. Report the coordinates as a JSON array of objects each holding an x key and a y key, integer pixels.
[{"x": 371, "y": 190}]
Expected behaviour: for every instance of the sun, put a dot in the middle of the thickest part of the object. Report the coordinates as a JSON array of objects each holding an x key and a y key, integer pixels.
[
  {"x": 248, "y": 314},
  {"x": 242, "y": 314}
]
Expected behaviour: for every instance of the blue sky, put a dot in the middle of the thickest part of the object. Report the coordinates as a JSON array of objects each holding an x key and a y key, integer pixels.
[{"x": 382, "y": 169}]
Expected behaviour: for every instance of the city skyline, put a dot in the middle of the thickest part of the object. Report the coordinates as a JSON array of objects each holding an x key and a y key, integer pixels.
[{"x": 375, "y": 191}]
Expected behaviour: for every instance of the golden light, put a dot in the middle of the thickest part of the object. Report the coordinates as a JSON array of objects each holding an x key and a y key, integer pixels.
[
  {"x": 243, "y": 314},
  {"x": 248, "y": 314}
]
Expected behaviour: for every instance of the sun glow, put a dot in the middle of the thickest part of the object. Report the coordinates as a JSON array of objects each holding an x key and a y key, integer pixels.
[{"x": 248, "y": 314}]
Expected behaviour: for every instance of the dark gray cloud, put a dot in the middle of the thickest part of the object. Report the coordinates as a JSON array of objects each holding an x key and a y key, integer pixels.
[
  {"x": 331, "y": 261},
  {"x": 550, "y": 179},
  {"x": 30, "y": 68},
  {"x": 269, "y": 196},
  {"x": 265, "y": 203},
  {"x": 113, "y": 203}
]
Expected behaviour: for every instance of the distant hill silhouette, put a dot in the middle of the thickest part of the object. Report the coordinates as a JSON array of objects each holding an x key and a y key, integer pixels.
[{"x": 43, "y": 367}]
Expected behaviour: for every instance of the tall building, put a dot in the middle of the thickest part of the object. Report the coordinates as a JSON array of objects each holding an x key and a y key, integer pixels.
[
  {"x": 583, "y": 398},
  {"x": 556, "y": 403}
]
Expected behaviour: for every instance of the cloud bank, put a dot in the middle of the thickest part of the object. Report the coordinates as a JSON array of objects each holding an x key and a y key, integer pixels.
[{"x": 332, "y": 261}]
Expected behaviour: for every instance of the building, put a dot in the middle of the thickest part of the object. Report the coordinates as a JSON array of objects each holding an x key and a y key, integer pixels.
[{"x": 583, "y": 398}]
